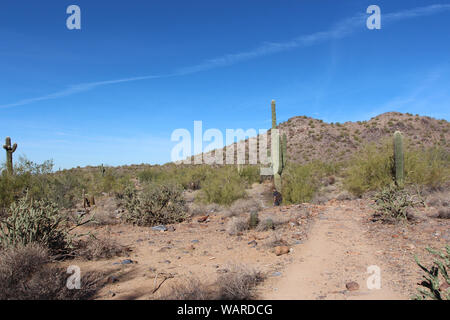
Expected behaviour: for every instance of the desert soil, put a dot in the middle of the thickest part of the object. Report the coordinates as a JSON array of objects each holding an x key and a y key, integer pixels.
[{"x": 331, "y": 245}]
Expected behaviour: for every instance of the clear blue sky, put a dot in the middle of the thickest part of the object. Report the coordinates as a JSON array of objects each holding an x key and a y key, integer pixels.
[{"x": 114, "y": 91}]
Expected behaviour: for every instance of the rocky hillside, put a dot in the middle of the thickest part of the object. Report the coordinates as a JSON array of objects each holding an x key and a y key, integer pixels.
[{"x": 309, "y": 139}]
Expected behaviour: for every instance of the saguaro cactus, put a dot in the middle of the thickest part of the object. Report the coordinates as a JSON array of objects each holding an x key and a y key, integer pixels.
[
  {"x": 9, "y": 152},
  {"x": 398, "y": 158},
  {"x": 278, "y": 150}
]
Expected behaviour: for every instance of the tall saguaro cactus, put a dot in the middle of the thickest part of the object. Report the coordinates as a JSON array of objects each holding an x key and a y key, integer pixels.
[
  {"x": 9, "y": 152},
  {"x": 399, "y": 158},
  {"x": 278, "y": 150}
]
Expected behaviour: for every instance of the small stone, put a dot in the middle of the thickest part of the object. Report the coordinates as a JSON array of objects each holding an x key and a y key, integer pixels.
[
  {"x": 280, "y": 250},
  {"x": 164, "y": 249},
  {"x": 127, "y": 261},
  {"x": 159, "y": 228},
  {"x": 202, "y": 219},
  {"x": 352, "y": 286},
  {"x": 276, "y": 274},
  {"x": 195, "y": 241},
  {"x": 171, "y": 229}
]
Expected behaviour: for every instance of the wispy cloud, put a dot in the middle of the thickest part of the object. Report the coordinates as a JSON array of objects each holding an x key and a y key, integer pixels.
[{"x": 340, "y": 30}]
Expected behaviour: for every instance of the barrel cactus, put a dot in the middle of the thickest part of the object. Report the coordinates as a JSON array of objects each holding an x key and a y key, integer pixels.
[
  {"x": 399, "y": 158},
  {"x": 253, "y": 220},
  {"x": 9, "y": 154}
]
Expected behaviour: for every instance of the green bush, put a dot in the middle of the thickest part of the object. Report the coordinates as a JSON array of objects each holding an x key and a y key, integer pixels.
[
  {"x": 65, "y": 188},
  {"x": 372, "y": 168},
  {"x": 156, "y": 204},
  {"x": 430, "y": 167},
  {"x": 250, "y": 174},
  {"x": 300, "y": 183},
  {"x": 223, "y": 186}
]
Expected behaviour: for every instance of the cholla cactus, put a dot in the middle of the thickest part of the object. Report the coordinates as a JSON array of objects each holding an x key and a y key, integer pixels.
[
  {"x": 437, "y": 279},
  {"x": 9, "y": 152},
  {"x": 398, "y": 158}
]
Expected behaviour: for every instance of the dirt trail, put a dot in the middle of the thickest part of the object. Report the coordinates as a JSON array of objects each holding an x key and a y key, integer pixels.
[{"x": 336, "y": 253}]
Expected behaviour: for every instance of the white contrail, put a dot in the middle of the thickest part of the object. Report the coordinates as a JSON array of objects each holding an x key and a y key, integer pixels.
[{"x": 340, "y": 30}]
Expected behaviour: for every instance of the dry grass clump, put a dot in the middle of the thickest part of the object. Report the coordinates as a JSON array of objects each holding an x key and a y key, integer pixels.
[
  {"x": 201, "y": 209},
  {"x": 444, "y": 213},
  {"x": 237, "y": 284},
  {"x": 97, "y": 249},
  {"x": 271, "y": 222},
  {"x": 243, "y": 206},
  {"x": 26, "y": 274},
  {"x": 237, "y": 225},
  {"x": 193, "y": 289}
]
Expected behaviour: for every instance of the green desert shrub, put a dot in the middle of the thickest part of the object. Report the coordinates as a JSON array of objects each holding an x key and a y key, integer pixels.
[
  {"x": 154, "y": 205},
  {"x": 250, "y": 174},
  {"x": 429, "y": 167},
  {"x": 301, "y": 182},
  {"x": 223, "y": 186},
  {"x": 65, "y": 188},
  {"x": 372, "y": 168}
]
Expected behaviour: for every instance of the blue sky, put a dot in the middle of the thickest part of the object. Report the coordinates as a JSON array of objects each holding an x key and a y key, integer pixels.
[{"x": 114, "y": 91}]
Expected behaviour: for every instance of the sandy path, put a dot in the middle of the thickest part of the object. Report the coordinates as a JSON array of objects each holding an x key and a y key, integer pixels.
[{"x": 336, "y": 253}]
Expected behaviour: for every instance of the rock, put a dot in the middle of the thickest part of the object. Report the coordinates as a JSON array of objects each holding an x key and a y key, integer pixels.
[
  {"x": 112, "y": 279},
  {"x": 280, "y": 250},
  {"x": 276, "y": 274},
  {"x": 195, "y": 241},
  {"x": 126, "y": 261},
  {"x": 202, "y": 219},
  {"x": 159, "y": 228},
  {"x": 164, "y": 249},
  {"x": 171, "y": 229},
  {"x": 411, "y": 246},
  {"x": 352, "y": 286}
]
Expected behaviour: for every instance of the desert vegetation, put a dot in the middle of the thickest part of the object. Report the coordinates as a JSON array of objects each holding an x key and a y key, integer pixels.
[{"x": 51, "y": 217}]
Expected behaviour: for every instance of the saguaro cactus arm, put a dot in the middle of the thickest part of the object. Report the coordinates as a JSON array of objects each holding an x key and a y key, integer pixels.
[{"x": 9, "y": 151}]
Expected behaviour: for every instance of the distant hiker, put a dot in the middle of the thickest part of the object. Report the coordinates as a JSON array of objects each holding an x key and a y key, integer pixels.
[{"x": 277, "y": 198}]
